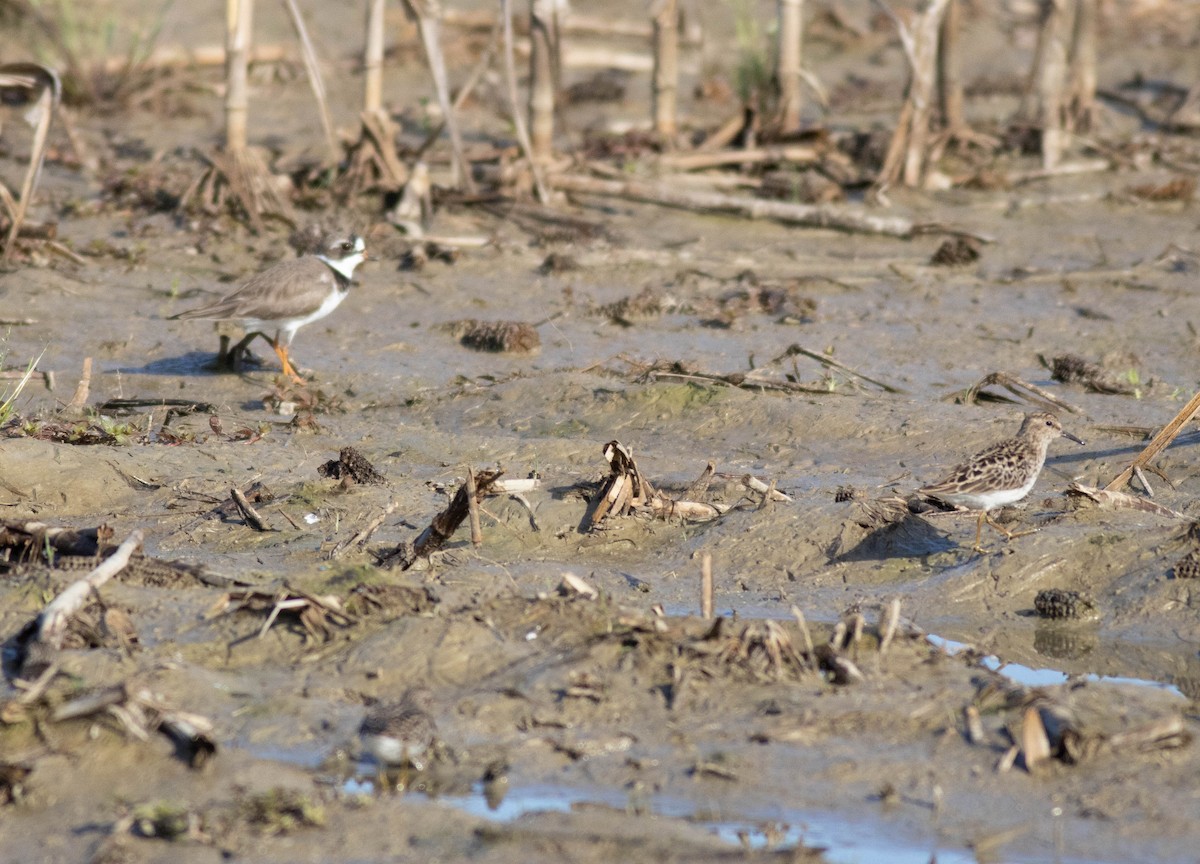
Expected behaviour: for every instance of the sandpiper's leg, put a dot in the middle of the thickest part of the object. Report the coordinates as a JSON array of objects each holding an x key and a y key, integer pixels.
[{"x": 978, "y": 547}]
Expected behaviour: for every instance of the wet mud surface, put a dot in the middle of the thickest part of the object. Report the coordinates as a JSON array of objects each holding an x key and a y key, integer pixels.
[{"x": 633, "y": 729}]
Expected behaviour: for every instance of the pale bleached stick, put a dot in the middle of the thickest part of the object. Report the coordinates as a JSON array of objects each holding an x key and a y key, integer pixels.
[
  {"x": 666, "y": 68},
  {"x": 52, "y": 623},
  {"x": 373, "y": 58},
  {"x": 315, "y": 80},
  {"x": 543, "y": 35},
  {"x": 788, "y": 70},
  {"x": 706, "y": 587},
  {"x": 1052, "y": 81},
  {"x": 510, "y": 77},
  {"x": 842, "y": 219}
]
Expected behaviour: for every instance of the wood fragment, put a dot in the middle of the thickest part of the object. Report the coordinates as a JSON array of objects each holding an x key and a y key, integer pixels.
[
  {"x": 473, "y": 509},
  {"x": 887, "y": 626},
  {"x": 1117, "y": 500},
  {"x": 665, "y": 77},
  {"x": 814, "y": 216},
  {"x": 1159, "y": 443},
  {"x": 1020, "y": 388},
  {"x": 1035, "y": 744},
  {"x": 53, "y": 620},
  {"x": 706, "y": 587},
  {"x": 825, "y": 360},
  {"x": 442, "y": 526},
  {"x": 79, "y": 399},
  {"x": 249, "y": 514}
]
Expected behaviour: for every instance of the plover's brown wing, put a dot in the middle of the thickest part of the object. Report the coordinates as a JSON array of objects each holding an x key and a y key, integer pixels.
[{"x": 292, "y": 289}]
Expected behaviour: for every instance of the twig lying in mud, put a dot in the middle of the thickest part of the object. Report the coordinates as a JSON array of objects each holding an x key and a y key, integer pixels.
[
  {"x": 768, "y": 491},
  {"x": 364, "y": 534},
  {"x": 674, "y": 370},
  {"x": 1116, "y": 500},
  {"x": 443, "y": 525},
  {"x": 29, "y": 540},
  {"x": 314, "y": 612},
  {"x": 185, "y": 406},
  {"x": 140, "y": 713},
  {"x": 1014, "y": 385},
  {"x": 706, "y": 587},
  {"x": 1159, "y": 443},
  {"x": 249, "y": 514},
  {"x": 43, "y": 639},
  {"x": 826, "y": 360},
  {"x": 842, "y": 219}
]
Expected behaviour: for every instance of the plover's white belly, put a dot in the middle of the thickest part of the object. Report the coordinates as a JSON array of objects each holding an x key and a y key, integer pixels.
[
  {"x": 390, "y": 750},
  {"x": 289, "y": 326}
]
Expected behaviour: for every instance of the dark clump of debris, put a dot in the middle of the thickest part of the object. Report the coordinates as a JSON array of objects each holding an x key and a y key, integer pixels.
[
  {"x": 1073, "y": 369},
  {"x": 1061, "y": 604},
  {"x": 352, "y": 467},
  {"x": 1188, "y": 567},
  {"x": 503, "y": 337},
  {"x": 955, "y": 252}
]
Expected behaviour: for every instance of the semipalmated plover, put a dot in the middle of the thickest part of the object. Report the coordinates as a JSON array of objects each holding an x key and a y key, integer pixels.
[
  {"x": 289, "y": 295},
  {"x": 1001, "y": 474}
]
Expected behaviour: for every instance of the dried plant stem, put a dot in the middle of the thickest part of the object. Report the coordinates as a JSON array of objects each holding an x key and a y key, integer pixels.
[
  {"x": 543, "y": 30},
  {"x": 908, "y": 150},
  {"x": 47, "y": 103},
  {"x": 52, "y": 623},
  {"x": 510, "y": 77},
  {"x": 473, "y": 509},
  {"x": 1081, "y": 92},
  {"x": 796, "y": 154},
  {"x": 706, "y": 587},
  {"x": 788, "y": 71},
  {"x": 315, "y": 80},
  {"x": 949, "y": 62},
  {"x": 428, "y": 16},
  {"x": 81, "y": 391},
  {"x": 373, "y": 58},
  {"x": 1159, "y": 442},
  {"x": 666, "y": 68},
  {"x": 1051, "y": 79},
  {"x": 842, "y": 219},
  {"x": 239, "y": 21}
]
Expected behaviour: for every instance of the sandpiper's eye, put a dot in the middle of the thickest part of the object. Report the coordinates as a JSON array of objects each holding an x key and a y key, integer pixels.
[{"x": 347, "y": 246}]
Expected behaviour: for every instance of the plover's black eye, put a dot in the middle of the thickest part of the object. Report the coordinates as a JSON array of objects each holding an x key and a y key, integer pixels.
[{"x": 347, "y": 246}]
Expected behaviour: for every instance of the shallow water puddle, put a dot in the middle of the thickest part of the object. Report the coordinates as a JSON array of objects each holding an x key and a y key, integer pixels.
[
  {"x": 843, "y": 841},
  {"x": 1030, "y": 677}
]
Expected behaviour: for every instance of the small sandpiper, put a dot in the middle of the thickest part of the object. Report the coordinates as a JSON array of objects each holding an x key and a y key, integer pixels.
[
  {"x": 401, "y": 734},
  {"x": 1003, "y": 473},
  {"x": 289, "y": 295}
]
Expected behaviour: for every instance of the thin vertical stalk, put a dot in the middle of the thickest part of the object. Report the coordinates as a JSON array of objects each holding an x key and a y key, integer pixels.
[
  {"x": 510, "y": 77},
  {"x": 1082, "y": 99},
  {"x": 1052, "y": 80},
  {"x": 788, "y": 71},
  {"x": 239, "y": 21},
  {"x": 666, "y": 69},
  {"x": 315, "y": 80},
  {"x": 950, "y": 88},
  {"x": 543, "y": 34},
  {"x": 373, "y": 58}
]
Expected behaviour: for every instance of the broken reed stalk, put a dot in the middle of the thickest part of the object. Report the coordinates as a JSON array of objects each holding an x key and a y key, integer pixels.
[
  {"x": 1159, "y": 442},
  {"x": 315, "y": 80},
  {"x": 373, "y": 59},
  {"x": 706, "y": 587},
  {"x": 518, "y": 116},
  {"x": 1081, "y": 90},
  {"x": 52, "y": 623},
  {"x": 473, "y": 508},
  {"x": 949, "y": 69},
  {"x": 47, "y": 103},
  {"x": 788, "y": 70},
  {"x": 907, "y": 152},
  {"x": 252, "y": 517},
  {"x": 543, "y": 51},
  {"x": 814, "y": 216},
  {"x": 809, "y": 650},
  {"x": 427, "y": 14},
  {"x": 239, "y": 21},
  {"x": 1051, "y": 79},
  {"x": 665, "y": 79},
  {"x": 79, "y": 399}
]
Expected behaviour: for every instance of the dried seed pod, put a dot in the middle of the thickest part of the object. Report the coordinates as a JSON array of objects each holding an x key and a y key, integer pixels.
[{"x": 1061, "y": 604}]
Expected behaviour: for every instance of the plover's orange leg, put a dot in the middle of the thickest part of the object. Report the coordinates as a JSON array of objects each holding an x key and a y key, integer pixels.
[{"x": 282, "y": 352}]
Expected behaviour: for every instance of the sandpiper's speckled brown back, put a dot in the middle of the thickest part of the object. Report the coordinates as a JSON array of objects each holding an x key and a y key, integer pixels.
[
  {"x": 996, "y": 474},
  {"x": 408, "y": 721}
]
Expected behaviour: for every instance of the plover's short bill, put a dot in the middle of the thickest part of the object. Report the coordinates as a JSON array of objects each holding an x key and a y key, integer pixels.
[
  {"x": 399, "y": 735},
  {"x": 289, "y": 295},
  {"x": 1003, "y": 473}
]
